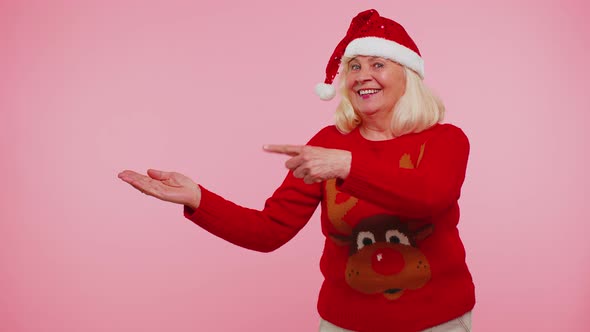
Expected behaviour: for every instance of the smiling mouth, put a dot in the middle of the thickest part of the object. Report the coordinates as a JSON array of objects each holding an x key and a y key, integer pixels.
[
  {"x": 392, "y": 291},
  {"x": 367, "y": 92}
]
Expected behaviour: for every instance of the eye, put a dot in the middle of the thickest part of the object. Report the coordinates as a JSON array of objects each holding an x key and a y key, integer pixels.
[
  {"x": 378, "y": 65},
  {"x": 364, "y": 239},
  {"x": 355, "y": 66},
  {"x": 396, "y": 237}
]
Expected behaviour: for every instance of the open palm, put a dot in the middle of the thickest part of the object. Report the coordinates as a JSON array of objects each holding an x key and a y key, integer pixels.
[{"x": 167, "y": 186}]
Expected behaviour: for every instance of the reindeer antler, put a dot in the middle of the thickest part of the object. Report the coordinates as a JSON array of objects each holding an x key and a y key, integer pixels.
[{"x": 337, "y": 211}]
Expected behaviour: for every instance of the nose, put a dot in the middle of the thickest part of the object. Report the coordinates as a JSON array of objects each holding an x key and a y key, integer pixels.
[
  {"x": 362, "y": 77},
  {"x": 387, "y": 261}
]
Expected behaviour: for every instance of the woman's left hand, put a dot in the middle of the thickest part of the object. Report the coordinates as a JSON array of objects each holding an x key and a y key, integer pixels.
[{"x": 314, "y": 164}]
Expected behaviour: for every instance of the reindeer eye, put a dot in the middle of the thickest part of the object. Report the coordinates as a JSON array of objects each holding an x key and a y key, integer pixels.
[
  {"x": 364, "y": 239},
  {"x": 396, "y": 237}
]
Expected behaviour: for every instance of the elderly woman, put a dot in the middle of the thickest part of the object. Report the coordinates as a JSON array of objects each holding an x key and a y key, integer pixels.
[{"x": 388, "y": 177}]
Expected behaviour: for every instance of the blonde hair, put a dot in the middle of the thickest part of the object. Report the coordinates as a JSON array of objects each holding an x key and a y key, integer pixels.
[{"x": 416, "y": 110}]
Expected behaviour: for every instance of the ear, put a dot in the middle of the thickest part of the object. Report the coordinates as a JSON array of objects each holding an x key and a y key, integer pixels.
[
  {"x": 423, "y": 232},
  {"x": 341, "y": 240}
]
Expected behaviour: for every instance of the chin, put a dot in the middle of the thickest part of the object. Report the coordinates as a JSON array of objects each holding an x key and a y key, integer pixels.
[{"x": 367, "y": 112}]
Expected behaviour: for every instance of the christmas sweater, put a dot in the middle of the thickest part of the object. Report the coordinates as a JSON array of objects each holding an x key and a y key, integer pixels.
[{"x": 393, "y": 259}]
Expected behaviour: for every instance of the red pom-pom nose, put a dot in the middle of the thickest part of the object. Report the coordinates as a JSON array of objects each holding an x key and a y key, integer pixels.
[{"x": 387, "y": 261}]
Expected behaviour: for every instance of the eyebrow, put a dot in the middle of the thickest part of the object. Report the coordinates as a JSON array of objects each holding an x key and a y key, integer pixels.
[{"x": 371, "y": 57}]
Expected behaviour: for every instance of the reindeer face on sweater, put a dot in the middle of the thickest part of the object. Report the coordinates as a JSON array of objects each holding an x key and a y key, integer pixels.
[{"x": 383, "y": 257}]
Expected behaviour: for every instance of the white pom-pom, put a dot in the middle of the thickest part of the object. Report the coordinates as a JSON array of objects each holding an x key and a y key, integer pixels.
[{"x": 325, "y": 91}]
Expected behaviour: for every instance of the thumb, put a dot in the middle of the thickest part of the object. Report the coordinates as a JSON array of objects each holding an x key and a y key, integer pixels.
[{"x": 158, "y": 175}]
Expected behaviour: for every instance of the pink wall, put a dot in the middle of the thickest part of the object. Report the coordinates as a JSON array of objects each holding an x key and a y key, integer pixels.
[{"x": 88, "y": 88}]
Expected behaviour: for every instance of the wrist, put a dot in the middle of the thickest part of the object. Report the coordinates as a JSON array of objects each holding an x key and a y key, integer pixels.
[
  {"x": 195, "y": 201},
  {"x": 346, "y": 164}
]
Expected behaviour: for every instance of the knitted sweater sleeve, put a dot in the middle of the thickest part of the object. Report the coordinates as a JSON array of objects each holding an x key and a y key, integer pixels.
[
  {"x": 426, "y": 190},
  {"x": 284, "y": 214}
]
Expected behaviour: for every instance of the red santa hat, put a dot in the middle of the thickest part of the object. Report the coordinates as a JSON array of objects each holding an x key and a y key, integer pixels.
[{"x": 372, "y": 35}]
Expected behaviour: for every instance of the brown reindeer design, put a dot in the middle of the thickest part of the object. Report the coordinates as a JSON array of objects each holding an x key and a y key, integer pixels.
[{"x": 383, "y": 256}]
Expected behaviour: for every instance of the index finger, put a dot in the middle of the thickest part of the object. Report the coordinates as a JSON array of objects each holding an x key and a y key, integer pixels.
[{"x": 290, "y": 150}]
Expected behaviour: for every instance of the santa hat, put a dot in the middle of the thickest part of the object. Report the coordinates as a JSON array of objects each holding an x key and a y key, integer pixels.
[{"x": 372, "y": 35}]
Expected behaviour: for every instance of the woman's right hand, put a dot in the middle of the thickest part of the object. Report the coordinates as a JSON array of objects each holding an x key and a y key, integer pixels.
[{"x": 167, "y": 186}]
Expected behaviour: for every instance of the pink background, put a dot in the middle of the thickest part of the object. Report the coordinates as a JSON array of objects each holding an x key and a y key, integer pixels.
[{"x": 89, "y": 88}]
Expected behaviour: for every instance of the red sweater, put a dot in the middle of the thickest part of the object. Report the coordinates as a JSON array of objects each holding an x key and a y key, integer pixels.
[{"x": 393, "y": 259}]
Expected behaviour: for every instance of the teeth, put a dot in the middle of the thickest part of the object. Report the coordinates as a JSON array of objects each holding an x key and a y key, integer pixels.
[{"x": 368, "y": 92}]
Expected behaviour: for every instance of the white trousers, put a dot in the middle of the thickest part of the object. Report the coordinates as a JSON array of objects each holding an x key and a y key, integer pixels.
[{"x": 459, "y": 324}]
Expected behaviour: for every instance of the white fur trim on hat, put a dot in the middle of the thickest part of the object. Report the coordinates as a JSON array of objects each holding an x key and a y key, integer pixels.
[
  {"x": 375, "y": 46},
  {"x": 325, "y": 91}
]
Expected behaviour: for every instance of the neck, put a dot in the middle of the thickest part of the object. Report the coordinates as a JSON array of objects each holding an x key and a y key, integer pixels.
[{"x": 376, "y": 129}]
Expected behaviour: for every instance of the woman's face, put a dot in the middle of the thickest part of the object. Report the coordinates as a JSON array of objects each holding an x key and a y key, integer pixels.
[{"x": 374, "y": 84}]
